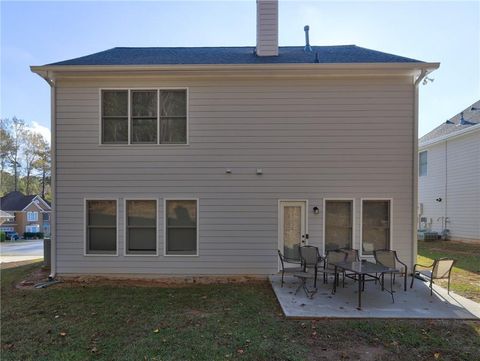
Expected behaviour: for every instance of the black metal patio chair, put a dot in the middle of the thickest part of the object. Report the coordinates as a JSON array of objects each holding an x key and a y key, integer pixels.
[
  {"x": 289, "y": 270},
  {"x": 440, "y": 269},
  {"x": 389, "y": 258},
  {"x": 334, "y": 256}
]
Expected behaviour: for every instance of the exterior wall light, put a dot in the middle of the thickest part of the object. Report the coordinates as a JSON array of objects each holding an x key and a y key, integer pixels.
[{"x": 316, "y": 210}]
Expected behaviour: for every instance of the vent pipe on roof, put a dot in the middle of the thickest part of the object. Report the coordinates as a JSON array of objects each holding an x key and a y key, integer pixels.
[
  {"x": 465, "y": 122},
  {"x": 307, "y": 48},
  {"x": 267, "y": 28}
]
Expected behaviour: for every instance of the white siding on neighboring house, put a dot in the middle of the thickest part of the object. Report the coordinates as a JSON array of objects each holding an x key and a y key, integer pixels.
[
  {"x": 454, "y": 176},
  {"x": 314, "y": 139}
]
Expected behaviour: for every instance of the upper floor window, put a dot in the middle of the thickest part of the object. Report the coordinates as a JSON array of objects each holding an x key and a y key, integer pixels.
[
  {"x": 422, "y": 163},
  {"x": 148, "y": 116},
  {"x": 32, "y": 216}
]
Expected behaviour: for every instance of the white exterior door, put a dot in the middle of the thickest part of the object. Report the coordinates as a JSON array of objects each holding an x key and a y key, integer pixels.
[{"x": 292, "y": 228}]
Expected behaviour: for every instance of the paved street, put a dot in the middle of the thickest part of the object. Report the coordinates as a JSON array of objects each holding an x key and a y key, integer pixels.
[{"x": 20, "y": 251}]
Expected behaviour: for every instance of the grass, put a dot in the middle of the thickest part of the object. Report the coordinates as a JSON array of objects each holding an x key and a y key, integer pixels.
[
  {"x": 203, "y": 322},
  {"x": 466, "y": 273}
]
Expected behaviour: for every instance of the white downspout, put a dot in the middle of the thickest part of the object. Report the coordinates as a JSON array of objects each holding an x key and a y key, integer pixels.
[
  {"x": 53, "y": 223},
  {"x": 415, "y": 166}
]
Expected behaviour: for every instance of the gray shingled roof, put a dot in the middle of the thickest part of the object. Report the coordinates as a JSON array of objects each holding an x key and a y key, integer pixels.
[
  {"x": 472, "y": 116},
  {"x": 15, "y": 201},
  {"x": 235, "y": 55}
]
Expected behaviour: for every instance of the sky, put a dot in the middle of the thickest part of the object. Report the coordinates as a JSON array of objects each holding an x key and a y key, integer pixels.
[{"x": 37, "y": 33}]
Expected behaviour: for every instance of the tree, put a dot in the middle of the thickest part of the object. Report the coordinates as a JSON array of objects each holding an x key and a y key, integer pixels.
[
  {"x": 6, "y": 144},
  {"x": 16, "y": 129},
  {"x": 31, "y": 146},
  {"x": 43, "y": 161}
]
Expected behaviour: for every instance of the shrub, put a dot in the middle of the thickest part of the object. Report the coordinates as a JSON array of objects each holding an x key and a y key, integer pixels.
[
  {"x": 3, "y": 236},
  {"x": 32, "y": 235}
]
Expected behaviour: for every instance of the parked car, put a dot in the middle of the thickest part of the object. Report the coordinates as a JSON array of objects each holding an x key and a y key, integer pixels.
[{"x": 11, "y": 236}]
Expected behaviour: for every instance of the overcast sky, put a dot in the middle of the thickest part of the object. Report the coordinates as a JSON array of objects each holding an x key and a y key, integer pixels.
[{"x": 37, "y": 33}]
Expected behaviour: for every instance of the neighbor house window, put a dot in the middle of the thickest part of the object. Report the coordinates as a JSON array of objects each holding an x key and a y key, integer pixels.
[
  {"x": 376, "y": 225},
  {"x": 141, "y": 223},
  {"x": 32, "y": 216},
  {"x": 152, "y": 117},
  {"x": 46, "y": 217},
  {"x": 338, "y": 224},
  {"x": 101, "y": 232},
  {"x": 32, "y": 228},
  {"x": 181, "y": 227},
  {"x": 422, "y": 163}
]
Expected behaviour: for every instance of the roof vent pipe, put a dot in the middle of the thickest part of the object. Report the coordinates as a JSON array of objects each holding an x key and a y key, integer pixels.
[{"x": 307, "y": 48}]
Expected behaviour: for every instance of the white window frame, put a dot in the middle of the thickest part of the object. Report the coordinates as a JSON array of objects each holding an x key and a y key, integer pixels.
[
  {"x": 125, "y": 215},
  {"x": 420, "y": 164},
  {"x": 165, "y": 254},
  {"x": 34, "y": 218},
  {"x": 361, "y": 224},
  {"x": 129, "y": 143},
  {"x": 37, "y": 226},
  {"x": 85, "y": 232},
  {"x": 324, "y": 215}
]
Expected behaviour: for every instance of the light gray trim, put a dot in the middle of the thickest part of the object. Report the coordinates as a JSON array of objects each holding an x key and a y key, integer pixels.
[
  {"x": 360, "y": 251},
  {"x": 165, "y": 254},
  {"x": 129, "y": 144},
  {"x": 353, "y": 219},
  {"x": 125, "y": 215},
  {"x": 85, "y": 243}
]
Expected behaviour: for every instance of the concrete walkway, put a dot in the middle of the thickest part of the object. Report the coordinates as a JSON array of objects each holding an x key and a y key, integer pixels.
[
  {"x": 17, "y": 251},
  {"x": 415, "y": 303}
]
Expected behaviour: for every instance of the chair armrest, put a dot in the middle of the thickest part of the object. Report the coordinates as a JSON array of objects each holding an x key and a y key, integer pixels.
[{"x": 421, "y": 265}]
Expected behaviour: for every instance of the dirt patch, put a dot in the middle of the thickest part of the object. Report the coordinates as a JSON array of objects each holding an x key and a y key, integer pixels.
[
  {"x": 357, "y": 352},
  {"x": 167, "y": 282},
  {"x": 37, "y": 276}
]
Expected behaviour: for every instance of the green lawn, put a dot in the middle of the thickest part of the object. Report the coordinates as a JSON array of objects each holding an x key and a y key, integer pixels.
[
  {"x": 466, "y": 273},
  {"x": 204, "y": 322}
]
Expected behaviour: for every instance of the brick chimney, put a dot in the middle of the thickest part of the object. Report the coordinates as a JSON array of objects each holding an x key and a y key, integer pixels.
[{"x": 267, "y": 28}]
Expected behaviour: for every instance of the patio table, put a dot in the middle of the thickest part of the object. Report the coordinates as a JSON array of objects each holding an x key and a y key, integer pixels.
[{"x": 362, "y": 269}]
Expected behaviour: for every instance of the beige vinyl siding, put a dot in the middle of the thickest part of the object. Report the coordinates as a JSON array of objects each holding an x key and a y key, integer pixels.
[{"x": 314, "y": 139}]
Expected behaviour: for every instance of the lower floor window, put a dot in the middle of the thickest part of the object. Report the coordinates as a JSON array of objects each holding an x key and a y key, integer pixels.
[
  {"x": 181, "y": 227},
  {"x": 101, "y": 232},
  {"x": 338, "y": 224},
  {"x": 32, "y": 228},
  {"x": 141, "y": 223},
  {"x": 376, "y": 225}
]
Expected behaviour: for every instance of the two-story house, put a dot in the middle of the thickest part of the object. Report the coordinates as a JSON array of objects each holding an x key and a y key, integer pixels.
[
  {"x": 205, "y": 161},
  {"x": 30, "y": 214},
  {"x": 449, "y": 177}
]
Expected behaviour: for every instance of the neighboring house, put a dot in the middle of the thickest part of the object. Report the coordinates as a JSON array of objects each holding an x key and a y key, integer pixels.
[
  {"x": 449, "y": 176},
  {"x": 5, "y": 216},
  {"x": 196, "y": 161},
  {"x": 31, "y": 214}
]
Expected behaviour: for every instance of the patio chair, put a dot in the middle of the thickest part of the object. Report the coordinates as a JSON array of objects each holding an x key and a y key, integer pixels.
[
  {"x": 334, "y": 256},
  {"x": 441, "y": 269},
  {"x": 292, "y": 270},
  {"x": 389, "y": 258},
  {"x": 310, "y": 258},
  {"x": 352, "y": 256}
]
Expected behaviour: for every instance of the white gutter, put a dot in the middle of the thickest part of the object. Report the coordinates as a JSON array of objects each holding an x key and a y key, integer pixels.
[
  {"x": 422, "y": 75},
  {"x": 53, "y": 237},
  {"x": 442, "y": 138},
  {"x": 230, "y": 67}
]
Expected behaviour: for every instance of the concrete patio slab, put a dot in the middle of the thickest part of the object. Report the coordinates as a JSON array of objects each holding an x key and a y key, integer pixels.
[{"x": 415, "y": 303}]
